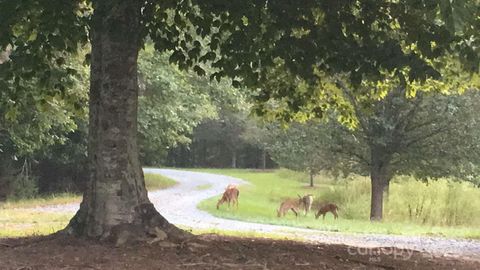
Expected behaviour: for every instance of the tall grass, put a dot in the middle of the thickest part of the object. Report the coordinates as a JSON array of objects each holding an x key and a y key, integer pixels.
[{"x": 441, "y": 202}]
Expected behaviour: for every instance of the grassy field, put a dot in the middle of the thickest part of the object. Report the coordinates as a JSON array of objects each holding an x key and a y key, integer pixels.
[
  {"x": 442, "y": 208},
  {"x": 18, "y": 219}
]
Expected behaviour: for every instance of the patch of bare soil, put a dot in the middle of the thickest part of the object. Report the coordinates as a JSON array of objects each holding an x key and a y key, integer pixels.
[{"x": 210, "y": 252}]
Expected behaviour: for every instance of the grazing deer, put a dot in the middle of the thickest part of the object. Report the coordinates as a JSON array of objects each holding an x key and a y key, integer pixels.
[
  {"x": 329, "y": 207},
  {"x": 230, "y": 196},
  {"x": 307, "y": 202},
  {"x": 289, "y": 204}
]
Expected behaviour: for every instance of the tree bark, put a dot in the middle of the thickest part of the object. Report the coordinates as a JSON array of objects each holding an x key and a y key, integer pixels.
[
  {"x": 376, "y": 207},
  {"x": 379, "y": 174},
  {"x": 115, "y": 193}
]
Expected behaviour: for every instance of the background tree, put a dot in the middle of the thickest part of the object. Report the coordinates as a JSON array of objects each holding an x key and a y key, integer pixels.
[
  {"x": 171, "y": 104},
  {"x": 34, "y": 118},
  {"x": 256, "y": 134},
  {"x": 302, "y": 147},
  {"x": 233, "y": 137},
  {"x": 427, "y": 136},
  {"x": 420, "y": 136},
  {"x": 225, "y": 131}
]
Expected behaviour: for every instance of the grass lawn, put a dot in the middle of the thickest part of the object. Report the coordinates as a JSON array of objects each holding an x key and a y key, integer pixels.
[
  {"x": 258, "y": 203},
  {"x": 18, "y": 219},
  {"x": 155, "y": 181}
]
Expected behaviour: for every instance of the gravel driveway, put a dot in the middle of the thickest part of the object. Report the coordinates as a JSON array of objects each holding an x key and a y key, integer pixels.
[{"x": 178, "y": 205}]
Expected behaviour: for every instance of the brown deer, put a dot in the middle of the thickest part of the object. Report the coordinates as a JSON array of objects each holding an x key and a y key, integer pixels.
[
  {"x": 289, "y": 204},
  {"x": 329, "y": 207},
  {"x": 229, "y": 196}
]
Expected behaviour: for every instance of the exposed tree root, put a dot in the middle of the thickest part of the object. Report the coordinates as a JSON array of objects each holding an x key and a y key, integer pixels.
[{"x": 148, "y": 226}]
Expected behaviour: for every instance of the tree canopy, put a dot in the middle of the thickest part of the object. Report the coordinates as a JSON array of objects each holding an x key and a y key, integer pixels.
[{"x": 245, "y": 39}]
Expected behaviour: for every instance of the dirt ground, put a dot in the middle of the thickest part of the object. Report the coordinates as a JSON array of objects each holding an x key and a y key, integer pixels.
[{"x": 210, "y": 252}]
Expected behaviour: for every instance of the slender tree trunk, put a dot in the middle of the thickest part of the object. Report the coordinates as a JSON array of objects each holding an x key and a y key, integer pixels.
[
  {"x": 192, "y": 155},
  {"x": 234, "y": 159},
  {"x": 115, "y": 193},
  {"x": 264, "y": 159},
  {"x": 204, "y": 153}
]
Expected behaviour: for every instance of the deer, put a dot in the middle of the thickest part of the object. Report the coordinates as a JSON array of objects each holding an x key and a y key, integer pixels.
[
  {"x": 329, "y": 207},
  {"x": 307, "y": 202},
  {"x": 289, "y": 204},
  {"x": 304, "y": 202},
  {"x": 230, "y": 195}
]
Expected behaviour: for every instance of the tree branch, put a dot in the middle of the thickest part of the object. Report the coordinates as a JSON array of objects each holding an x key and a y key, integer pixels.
[
  {"x": 348, "y": 94},
  {"x": 426, "y": 136},
  {"x": 361, "y": 158}
]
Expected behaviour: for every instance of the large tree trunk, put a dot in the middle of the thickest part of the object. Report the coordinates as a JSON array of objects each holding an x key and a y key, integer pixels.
[
  {"x": 116, "y": 193},
  {"x": 379, "y": 174},
  {"x": 376, "y": 207}
]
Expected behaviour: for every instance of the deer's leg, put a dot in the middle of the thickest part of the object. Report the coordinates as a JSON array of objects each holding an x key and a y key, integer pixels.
[
  {"x": 295, "y": 212},
  {"x": 335, "y": 214}
]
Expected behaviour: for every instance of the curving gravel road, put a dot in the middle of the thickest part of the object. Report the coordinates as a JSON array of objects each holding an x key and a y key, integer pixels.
[{"x": 178, "y": 205}]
